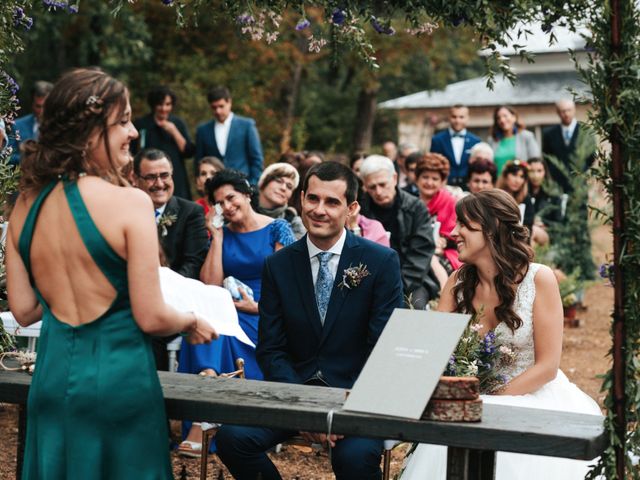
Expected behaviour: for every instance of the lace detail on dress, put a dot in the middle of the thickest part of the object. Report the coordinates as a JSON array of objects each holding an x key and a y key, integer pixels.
[{"x": 521, "y": 341}]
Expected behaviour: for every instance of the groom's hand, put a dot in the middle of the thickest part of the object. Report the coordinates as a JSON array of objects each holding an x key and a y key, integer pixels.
[{"x": 321, "y": 438}]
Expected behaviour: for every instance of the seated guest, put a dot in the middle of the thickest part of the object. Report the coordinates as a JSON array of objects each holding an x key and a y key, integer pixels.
[
  {"x": 431, "y": 173},
  {"x": 509, "y": 139},
  {"x": 207, "y": 168},
  {"x": 238, "y": 250},
  {"x": 180, "y": 222},
  {"x": 365, "y": 227},
  {"x": 407, "y": 220},
  {"x": 309, "y": 334},
  {"x": 275, "y": 187},
  {"x": 305, "y": 161},
  {"x": 482, "y": 175},
  {"x": 410, "y": 167},
  {"x": 28, "y": 127},
  {"x": 356, "y": 161},
  {"x": 514, "y": 181},
  {"x": 546, "y": 207},
  {"x": 162, "y": 130},
  {"x": 481, "y": 151}
]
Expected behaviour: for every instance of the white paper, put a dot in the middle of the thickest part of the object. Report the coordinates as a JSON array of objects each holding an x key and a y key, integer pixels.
[
  {"x": 210, "y": 302},
  {"x": 12, "y": 327}
]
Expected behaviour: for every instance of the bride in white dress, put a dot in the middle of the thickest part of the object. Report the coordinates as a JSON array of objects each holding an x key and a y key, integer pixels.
[{"x": 521, "y": 302}]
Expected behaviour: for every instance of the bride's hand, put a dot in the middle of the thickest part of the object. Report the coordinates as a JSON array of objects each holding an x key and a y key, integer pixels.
[
  {"x": 201, "y": 331},
  {"x": 247, "y": 304}
]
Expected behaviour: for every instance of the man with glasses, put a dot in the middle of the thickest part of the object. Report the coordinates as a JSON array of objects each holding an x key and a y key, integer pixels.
[{"x": 181, "y": 227}]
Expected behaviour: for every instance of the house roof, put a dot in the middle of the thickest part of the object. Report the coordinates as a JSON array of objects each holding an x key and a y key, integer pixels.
[
  {"x": 531, "y": 88},
  {"x": 538, "y": 41}
]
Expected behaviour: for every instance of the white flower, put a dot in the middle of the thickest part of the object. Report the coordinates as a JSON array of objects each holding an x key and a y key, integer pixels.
[
  {"x": 476, "y": 327},
  {"x": 505, "y": 350}
]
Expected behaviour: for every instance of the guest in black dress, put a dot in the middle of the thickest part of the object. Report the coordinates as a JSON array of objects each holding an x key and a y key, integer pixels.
[
  {"x": 513, "y": 180},
  {"x": 546, "y": 207},
  {"x": 164, "y": 131}
]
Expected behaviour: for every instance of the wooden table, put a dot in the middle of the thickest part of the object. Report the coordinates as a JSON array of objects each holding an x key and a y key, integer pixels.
[{"x": 472, "y": 446}]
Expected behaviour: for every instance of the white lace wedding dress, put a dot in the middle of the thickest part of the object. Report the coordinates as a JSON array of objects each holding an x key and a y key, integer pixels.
[{"x": 429, "y": 461}]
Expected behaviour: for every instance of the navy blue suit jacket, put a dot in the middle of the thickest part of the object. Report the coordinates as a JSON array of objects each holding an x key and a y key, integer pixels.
[
  {"x": 441, "y": 143},
  {"x": 23, "y": 128},
  {"x": 244, "y": 151},
  {"x": 293, "y": 345}
]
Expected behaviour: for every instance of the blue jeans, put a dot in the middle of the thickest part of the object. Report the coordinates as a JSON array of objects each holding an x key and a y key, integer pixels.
[{"x": 242, "y": 450}]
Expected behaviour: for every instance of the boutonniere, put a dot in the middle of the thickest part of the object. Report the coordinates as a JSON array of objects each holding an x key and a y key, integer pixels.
[
  {"x": 352, "y": 276},
  {"x": 164, "y": 222}
]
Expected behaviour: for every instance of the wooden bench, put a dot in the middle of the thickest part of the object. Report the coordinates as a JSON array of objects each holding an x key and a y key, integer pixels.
[{"x": 472, "y": 446}]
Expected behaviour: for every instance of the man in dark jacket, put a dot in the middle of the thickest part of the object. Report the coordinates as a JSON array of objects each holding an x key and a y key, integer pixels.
[
  {"x": 407, "y": 220},
  {"x": 181, "y": 228}
]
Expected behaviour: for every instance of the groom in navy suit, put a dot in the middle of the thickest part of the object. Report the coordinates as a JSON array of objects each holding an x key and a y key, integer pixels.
[
  {"x": 318, "y": 326},
  {"x": 455, "y": 143},
  {"x": 230, "y": 137}
]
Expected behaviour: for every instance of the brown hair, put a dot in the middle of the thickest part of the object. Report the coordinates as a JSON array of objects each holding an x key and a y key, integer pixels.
[
  {"x": 79, "y": 105},
  {"x": 495, "y": 131},
  {"x": 512, "y": 168},
  {"x": 499, "y": 218},
  {"x": 433, "y": 162}
]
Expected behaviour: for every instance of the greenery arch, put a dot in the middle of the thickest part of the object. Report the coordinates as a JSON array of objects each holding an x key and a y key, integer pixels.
[{"x": 348, "y": 25}]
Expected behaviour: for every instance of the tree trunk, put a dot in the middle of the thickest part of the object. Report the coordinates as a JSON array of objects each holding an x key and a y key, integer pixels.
[
  {"x": 291, "y": 96},
  {"x": 365, "y": 116}
]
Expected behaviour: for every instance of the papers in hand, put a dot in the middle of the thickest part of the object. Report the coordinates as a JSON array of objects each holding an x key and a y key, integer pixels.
[{"x": 212, "y": 303}]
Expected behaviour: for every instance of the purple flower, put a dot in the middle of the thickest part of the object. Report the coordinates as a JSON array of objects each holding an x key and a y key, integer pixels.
[
  {"x": 18, "y": 14},
  {"x": 302, "y": 24},
  {"x": 11, "y": 84},
  {"x": 54, "y": 4},
  {"x": 385, "y": 29},
  {"x": 167, "y": 2},
  {"x": 73, "y": 8},
  {"x": 338, "y": 16},
  {"x": 244, "y": 19},
  {"x": 28, "y": 23}
]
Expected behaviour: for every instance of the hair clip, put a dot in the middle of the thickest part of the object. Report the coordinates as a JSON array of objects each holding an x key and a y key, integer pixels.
[{"x": 94, "y": 104}]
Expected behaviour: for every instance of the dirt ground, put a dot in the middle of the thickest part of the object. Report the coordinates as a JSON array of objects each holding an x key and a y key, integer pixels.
[{"x": 584, "y": 357}]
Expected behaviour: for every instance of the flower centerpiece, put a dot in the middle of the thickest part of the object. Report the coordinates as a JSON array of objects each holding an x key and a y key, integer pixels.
[{"x": 480, "y": 355}]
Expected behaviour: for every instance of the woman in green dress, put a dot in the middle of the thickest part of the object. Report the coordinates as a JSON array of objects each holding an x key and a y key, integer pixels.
[
  {"x": 509, "y": 139},
  {"x": 82, "y": 254}
]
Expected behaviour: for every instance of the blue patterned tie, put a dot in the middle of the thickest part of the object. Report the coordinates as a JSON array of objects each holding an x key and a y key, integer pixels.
[{"x": 324, "y": 284}]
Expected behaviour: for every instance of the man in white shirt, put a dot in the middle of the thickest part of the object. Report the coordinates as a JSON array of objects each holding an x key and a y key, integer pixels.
[
  {"x": 230, "y": 137},
  {"x": 455, "y": 143},
  {"x": 325, "y": 300},
  {"x": 570, "y": 143}
]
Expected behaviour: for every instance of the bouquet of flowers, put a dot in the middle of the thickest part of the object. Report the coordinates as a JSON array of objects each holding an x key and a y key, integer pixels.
[{"x": 481, "y": 356}]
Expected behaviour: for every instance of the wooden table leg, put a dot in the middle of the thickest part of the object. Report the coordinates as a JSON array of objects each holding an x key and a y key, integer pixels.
[
  {"x": 22, "y": 433},
  {"x": 466, "y": 464}
]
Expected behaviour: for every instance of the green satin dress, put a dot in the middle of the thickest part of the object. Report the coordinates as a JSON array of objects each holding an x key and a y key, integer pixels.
[{"x": 95, "y": 407}]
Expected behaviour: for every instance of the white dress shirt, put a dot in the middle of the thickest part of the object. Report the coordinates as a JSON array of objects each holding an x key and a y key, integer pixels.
[
  {"x": 567, "y": 130},
  {"x": 333, "y": 261},
  {"x": 221, "y": 131},
  {"x": 457, "y": 143},
  {"x": 160, "y": 211}
]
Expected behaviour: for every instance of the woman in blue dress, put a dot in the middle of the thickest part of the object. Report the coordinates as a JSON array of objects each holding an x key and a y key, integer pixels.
[{"x": 237, "y": 250}]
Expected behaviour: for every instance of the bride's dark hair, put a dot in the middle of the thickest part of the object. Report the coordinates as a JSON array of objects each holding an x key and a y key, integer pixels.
[
  {"x": 79, "y": 105},
  {"x": 498, "y": 217}
]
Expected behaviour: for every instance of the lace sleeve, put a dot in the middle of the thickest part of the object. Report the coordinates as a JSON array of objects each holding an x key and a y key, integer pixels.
[{"x": 281, "y": 233}]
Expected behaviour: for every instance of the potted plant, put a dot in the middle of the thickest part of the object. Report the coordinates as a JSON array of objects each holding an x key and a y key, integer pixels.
[{"x": 569, "y": 286}]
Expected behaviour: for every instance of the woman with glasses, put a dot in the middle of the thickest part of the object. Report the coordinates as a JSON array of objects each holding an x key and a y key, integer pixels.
[{"x": 275, "y": 187}]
